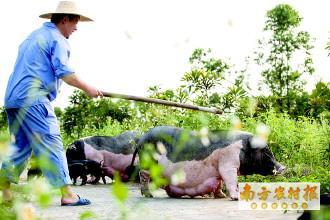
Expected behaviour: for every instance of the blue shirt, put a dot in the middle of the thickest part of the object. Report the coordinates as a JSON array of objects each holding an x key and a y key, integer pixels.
[{"x": 43, "y": 59}]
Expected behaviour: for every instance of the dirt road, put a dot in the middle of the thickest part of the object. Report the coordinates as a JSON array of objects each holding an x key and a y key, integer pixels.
[{"x": 104, "y": 206}]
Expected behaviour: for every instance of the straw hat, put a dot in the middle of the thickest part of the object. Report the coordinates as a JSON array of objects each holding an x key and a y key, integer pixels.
[{"x": 66, "y": 7}]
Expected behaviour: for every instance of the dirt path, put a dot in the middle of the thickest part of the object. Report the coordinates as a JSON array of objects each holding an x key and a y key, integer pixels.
[{"x": 161, "y": 207}]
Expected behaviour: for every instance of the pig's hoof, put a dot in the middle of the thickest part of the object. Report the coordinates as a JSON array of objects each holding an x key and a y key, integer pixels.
[
  {"x": 219, "y": 195},
  {"x": 146, "y": 193},
  {"x": 234, "y": 198}
]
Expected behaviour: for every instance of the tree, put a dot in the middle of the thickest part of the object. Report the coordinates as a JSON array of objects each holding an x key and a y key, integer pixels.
[
  {"x": 76, "y": 114},
  {"x": 203, "y": 78},
  {"x": 279, "y": 55},
  {"x": 206, "y": 73},
  {"x": 85, "y": 113},
  {"x": 58, "y": 112},
  {"x": 180, "y": 94},
  {"x": 320, "y": 99}
]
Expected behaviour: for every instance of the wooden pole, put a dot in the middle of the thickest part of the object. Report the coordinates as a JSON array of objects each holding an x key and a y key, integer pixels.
[{"x": 162, "y": 102}]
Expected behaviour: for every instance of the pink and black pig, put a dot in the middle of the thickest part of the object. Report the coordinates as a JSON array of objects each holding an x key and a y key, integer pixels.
[{"x": 207, "y": 161}]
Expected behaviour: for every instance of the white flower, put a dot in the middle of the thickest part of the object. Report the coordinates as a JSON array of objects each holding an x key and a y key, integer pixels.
[
  {"x": 7, "y": 149},
  {"x": 4, "y": 150},
  {"x": 25, "y": 211},
  {"x": 178, "y": 177},
  {"x": 161, "y": 148},
  {"x": 205, "y": 141},
  {"x": 157, "y": 156},
  {"x": 39, "y": 186},
  {"x": 204, "y": 134},
  {"x": 263, "y": 131},
  {"x": 258, "y": 142},
  {"x": 252, "y": 105},
  {"x": 236, "y": 123}
]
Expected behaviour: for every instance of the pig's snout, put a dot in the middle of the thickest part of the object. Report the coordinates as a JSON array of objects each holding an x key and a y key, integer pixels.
[{"x": 279, "y": 169}]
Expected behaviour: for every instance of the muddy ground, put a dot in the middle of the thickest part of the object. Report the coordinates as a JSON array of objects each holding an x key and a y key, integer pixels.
[{"x": 104, "y": 206}]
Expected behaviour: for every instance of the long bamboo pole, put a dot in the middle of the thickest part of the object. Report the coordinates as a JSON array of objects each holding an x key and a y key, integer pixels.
[{"x": 162, "y": 102}]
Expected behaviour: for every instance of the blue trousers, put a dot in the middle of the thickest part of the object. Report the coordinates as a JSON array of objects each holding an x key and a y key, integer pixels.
[{"x": 35, "y": 128}]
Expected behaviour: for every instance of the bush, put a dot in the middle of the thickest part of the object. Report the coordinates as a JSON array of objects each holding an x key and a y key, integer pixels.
[
  {"x": 84, "y": 113},
  {"x": 302, "y": 145},
  {"x": 3, "y": 118}
]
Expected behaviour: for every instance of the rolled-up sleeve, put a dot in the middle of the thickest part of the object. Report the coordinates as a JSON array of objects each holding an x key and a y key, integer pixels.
[{"x": 60, "y": 59}]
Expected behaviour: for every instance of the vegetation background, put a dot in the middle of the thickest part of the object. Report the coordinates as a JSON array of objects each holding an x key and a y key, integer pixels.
[{"x": 295, "y": 122}]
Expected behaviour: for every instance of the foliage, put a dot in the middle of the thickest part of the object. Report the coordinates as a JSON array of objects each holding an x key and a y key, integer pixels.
[
  {"x": 88, "y": 215},
  {"x": 319, "y": 100},
  {"x": 181, "y": 94},
  {"x": 3, "y": 118},
  {"x": 148, "y": 162},
  {"x": 230, "y": 100},
  {"x": 119, "y": 190},
  {"x": 302, "y": 145},
  {"x": 315, "y": 105},
  {"x": 205, "y": 84},
  {"x": 7, "y": 213},
  {"x": 58, "y": 112},
  {"x": 206, "y": 73},
  {"x": 85, "y": 113},
  {"x": 279, "y": 56}
]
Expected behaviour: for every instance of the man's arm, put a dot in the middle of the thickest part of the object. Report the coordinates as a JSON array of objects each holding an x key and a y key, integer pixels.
[{"x": 74, "y": 80}]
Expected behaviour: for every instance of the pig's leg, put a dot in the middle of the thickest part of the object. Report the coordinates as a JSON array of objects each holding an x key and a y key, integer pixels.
[
  {"x": 108, "y": 171},
  {"x": 228, "y": 165},
  {"x": 103, "y": 179},
  {"x": 95, "y": 179},
  {"x": 218, "y": 192},
  {"x": 102, "y": 174},
  {"x": 84, "y": 180},
  {"x": 229, "y": 175},
  {"x": 74, "y": 180},
  {"x": 144, "y": 180}
]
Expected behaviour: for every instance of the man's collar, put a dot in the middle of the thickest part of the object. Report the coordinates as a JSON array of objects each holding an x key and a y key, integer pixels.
[{"x": 50, "y": 25}]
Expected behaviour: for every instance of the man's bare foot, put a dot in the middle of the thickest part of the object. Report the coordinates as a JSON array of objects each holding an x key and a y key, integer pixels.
[
  {"x": 72, "y": 202},
  {"x": 69, "y": 198}
]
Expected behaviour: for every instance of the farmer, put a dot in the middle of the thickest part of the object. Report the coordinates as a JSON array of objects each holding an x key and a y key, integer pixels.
[{"x": 42, "y": 63}]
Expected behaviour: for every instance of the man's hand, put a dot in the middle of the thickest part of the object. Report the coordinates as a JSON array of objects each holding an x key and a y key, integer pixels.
[
  {"x": 74, "y": 80},
  {"x": 93, "y": 92}
]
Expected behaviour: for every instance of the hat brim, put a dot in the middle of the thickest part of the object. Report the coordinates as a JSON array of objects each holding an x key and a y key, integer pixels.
[{"x": 49, "y": 15}]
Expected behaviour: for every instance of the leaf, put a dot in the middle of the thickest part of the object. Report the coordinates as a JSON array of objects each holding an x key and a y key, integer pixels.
[
  {"x": 87, "y": 215},
  {"x": 119, "y": 190}
]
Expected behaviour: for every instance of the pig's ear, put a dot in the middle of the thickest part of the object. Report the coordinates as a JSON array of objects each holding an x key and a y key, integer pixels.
[
  {"x": 71, "y": 146},
  {"x": 238, "y": 144},
  {"x": 79, "y": 144}
]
